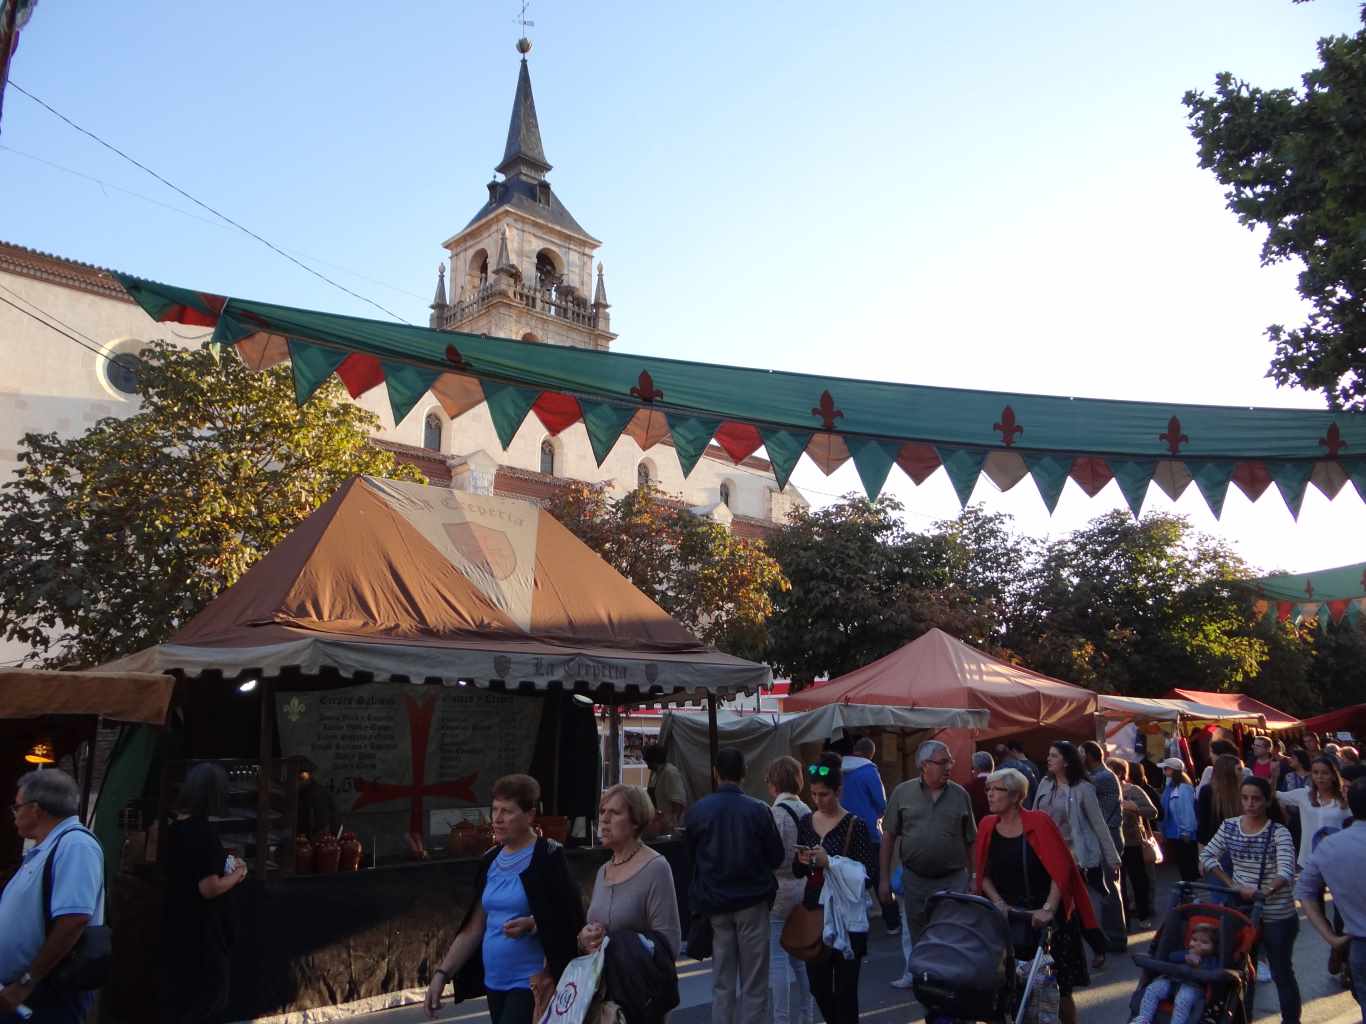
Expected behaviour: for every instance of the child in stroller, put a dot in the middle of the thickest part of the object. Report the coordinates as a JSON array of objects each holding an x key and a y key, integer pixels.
[
  {"x": 1201, "y": 951},
  {"x": 1219, "y": 988}
]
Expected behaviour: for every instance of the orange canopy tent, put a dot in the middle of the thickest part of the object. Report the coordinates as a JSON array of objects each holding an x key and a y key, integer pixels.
[
  {"x": 1275, "y": 719},
  {"x": 938, "y": 670}
]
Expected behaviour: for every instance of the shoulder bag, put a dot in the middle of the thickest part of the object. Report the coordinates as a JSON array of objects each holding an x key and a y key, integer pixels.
[
  {"x": 89, "y": 964},
  {"x": 1148, "y": 844},
  {"x": 801, "y": 935}
]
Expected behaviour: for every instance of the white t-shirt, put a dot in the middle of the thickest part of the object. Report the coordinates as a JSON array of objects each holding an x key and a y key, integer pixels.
[{"x": 1315, "y": 822}]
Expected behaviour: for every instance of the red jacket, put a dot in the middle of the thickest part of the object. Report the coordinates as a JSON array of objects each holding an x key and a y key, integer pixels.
[{"x": 1051, "y": 849}]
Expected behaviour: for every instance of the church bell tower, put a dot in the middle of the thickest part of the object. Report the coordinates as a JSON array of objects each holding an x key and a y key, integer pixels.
[{"x": 523, "y": 267}]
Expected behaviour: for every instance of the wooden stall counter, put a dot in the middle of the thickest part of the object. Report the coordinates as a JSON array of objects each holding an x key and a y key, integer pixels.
[{"x": 309, "y": 941}]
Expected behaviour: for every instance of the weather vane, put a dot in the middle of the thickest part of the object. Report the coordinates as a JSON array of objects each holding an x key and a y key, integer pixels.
[{"x": 524, "y": 44}]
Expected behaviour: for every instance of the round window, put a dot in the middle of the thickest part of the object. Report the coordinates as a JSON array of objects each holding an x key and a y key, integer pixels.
[{"x": 123, "y": 371}]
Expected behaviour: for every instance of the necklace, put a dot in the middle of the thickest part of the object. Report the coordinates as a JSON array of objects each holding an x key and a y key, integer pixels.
[{"x": 618, "y": 863}]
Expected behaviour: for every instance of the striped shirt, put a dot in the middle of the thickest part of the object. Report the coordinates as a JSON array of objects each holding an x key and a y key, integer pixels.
[{"x": 1259, "y": 858}]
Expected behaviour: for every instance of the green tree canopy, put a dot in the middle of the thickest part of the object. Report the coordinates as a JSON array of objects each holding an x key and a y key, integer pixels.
[
  {"x": 115, "y": 538},
  {"x": 718, "y": 585},
  {"x": 1294, "y": 162}
]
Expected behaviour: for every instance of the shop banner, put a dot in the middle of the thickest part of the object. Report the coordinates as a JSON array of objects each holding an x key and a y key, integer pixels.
[{"x": 396, "y": 749}]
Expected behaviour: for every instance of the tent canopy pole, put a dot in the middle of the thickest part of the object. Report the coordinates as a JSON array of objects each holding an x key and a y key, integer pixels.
[{"x": 713, "y": 739}]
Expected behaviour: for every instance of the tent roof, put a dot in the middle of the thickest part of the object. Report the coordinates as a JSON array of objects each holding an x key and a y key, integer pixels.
[
  {"x": 1328, "y": 594},
  {"x": 832, "y": 420},
  {"x": 117, "y": 696},
  {"x": 1350, "y": 719},
  {"x": 1168, "y": 709},
  {"x": 937, "y": 670},
  {"x": 1275, "y": 719},
  {"x": 394, "y": 579}
]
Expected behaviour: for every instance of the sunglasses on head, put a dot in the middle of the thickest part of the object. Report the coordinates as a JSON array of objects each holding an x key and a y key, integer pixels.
[{"x": 821, "y": 770}]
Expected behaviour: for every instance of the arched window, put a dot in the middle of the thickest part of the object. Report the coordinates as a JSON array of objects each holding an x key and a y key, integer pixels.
[
  {"x": 431, "y": 432},
  {"x": 122, "y": 371},
  {"x": 547, "y": 270},
  {"x": 478, "y": 275},
  {"x": 725, "y": 493},
  {"x": 548, "y": 457},
  {"x": 643, "y": 477}
]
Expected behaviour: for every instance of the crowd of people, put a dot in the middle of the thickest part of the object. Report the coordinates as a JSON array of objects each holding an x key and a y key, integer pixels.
[{"x": 781, "y": 894}]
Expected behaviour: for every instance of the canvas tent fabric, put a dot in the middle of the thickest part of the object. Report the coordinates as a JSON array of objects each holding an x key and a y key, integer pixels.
[
  {"x": 876, "y": 424},
  {"x": 135, "y": 698},
  {"x": 1275, "y": 719},
  {"x": 1351, "y": 719},
  {"x": 763, "y": 738},
  {"x": 1157, "y": 709},
  {"x": 938, "y": 670},
  {"x": 1329, "y": 595},
  {"x": 396, "y": 580}
]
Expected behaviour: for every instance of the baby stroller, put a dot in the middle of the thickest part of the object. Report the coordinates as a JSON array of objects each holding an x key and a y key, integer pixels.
[
  {"x": 1229, "y": 988},
  {"x": 963, "y": 964}
]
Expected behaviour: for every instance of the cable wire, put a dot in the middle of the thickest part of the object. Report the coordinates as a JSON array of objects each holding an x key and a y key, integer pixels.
[
  {"x": 34, "y": 316},
  {"x": 223, "y": 216}
]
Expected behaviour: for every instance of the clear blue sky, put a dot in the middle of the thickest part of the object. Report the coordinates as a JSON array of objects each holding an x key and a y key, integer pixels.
[{"x": 988, "y": 195}]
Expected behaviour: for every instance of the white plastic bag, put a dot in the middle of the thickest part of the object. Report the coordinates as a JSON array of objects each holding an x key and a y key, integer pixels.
[{"x": 577, "y": 991}]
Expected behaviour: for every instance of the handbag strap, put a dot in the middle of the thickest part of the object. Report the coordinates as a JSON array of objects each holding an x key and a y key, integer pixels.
[
  {"x": 795, "y": 819},
  {"x": 849, "y": 831},
  {"x": 1266, "y": 850},
  {"x": 49, "y": 867}
]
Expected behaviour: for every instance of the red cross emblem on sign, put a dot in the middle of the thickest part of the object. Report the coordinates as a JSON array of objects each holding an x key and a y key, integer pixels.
[{"x": 419, "y": 730}]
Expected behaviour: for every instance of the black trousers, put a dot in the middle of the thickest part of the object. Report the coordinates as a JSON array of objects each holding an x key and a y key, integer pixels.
[
  {"x": 515, "y": 1006},
  {"x": 834, "y": 983},
  {"x": 1136, "y": 874},
  {"x": 1187, "y": 857}
]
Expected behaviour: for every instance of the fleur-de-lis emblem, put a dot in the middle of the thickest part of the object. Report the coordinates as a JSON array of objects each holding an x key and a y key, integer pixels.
[
  {"x": 295, "y": 709},
  {"x": 1174, "y": 438},
  {"x": 1008, "y": 427},
  {"x": 645, "y": 388},
  {"x": 454, "y": 357},
  {"x": 1333, "y": 441},
  {"x": 1309, "y": 589},
  {"x": 827, "y": 411}
]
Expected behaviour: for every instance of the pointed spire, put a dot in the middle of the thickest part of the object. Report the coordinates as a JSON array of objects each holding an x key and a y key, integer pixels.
[
  {"x": 523, "y": 154},
  {"x": 600, "y": 293},
  {"x": 503, "y": 264},
  {"x": 440, "y": 299}
]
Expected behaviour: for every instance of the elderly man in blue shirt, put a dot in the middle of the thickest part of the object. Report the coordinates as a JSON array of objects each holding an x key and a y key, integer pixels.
[
  {"x": 1336, "y": 863},
  {"x": 32, "y": 945}
]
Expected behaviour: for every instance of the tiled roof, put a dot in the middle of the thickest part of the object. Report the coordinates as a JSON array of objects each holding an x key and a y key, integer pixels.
[{"x": 43, "y": 266}]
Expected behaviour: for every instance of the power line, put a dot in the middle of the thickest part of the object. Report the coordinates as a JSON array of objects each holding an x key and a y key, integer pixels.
[
  {"x": 223, "y": 216},
  {"x": 33, "y": 316},
  {"x": 202, "y": 220}
]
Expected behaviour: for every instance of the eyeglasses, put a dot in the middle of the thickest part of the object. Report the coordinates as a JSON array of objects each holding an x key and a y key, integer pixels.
[
  {"x": 942, "y": 764},
  {"x": 821, "y": 770},
  {"x": 15, "y": 808}
]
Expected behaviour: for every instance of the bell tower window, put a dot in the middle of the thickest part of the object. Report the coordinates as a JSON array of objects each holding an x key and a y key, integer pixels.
[
  {"x": 725, "y": 494},
  {"x": 431, "y": 432},
  {"x": 548, "y": 457}
]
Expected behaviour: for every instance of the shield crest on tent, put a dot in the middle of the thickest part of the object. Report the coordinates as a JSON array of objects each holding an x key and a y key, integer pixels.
[{"x": 489, "y": 549}]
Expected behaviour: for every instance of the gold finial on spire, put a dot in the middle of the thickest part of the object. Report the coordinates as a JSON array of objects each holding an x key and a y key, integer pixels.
[{"x": 524, "y": 44}]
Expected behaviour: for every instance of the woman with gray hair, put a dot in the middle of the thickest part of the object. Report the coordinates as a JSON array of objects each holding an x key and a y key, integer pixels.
[
  {"x": 635, "y": 888},
  {"x": 198, "y": 926}
]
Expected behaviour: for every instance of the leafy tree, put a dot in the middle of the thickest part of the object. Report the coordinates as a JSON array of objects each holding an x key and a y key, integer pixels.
[
  {"x": 115, "y": 538},
  {"x": 1295, "y": 163},
  {"x": 719, "y": 585},
  {"x": 1137, "y": 608},
  {"x": 862, "y": 586},
  {"x": 989, "y": 561}
]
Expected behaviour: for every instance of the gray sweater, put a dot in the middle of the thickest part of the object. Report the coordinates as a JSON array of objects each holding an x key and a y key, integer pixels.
[
  {"x": 645, "y": 902},
  {"x": 1077, "y": 815}
]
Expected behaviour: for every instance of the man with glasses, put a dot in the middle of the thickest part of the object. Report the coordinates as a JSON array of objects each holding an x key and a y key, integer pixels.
[
  {"x": 930, "y": 826},
  {"x": 33, "y": 943}
]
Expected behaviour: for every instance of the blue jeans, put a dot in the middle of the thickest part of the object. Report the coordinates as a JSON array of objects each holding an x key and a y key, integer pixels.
[
  {"x": 783, "y": 970},
  {"x": 1278, "y": 942},
  {"x": 1357, "y": 961}
]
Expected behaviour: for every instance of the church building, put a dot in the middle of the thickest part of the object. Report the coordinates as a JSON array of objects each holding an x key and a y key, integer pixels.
[{"x": 521, "y": 268}]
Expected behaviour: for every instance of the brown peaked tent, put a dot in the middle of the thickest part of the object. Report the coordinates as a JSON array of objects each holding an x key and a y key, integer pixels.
[
  {"x": 394, "y": 580},
  {"x": 937, "y": 670}
]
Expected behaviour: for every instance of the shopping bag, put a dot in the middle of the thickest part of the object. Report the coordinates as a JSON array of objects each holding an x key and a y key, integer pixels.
[{"x": 576, "y": 996}]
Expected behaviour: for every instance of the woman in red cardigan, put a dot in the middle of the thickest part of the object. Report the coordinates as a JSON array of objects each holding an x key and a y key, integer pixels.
[{"x": 1022, "y": 861}]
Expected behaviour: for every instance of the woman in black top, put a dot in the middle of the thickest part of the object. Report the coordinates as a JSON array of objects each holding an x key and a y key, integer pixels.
[
  {"x": 833, "y": 832},
  {"x": 197, "y": 921}
]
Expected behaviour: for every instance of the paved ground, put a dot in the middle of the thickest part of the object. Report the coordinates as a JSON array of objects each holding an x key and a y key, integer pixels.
[{"x": 1105, "y": 1002}]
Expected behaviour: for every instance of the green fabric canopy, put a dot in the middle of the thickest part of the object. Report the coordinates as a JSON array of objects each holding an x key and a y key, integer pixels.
[
  {"x": 1326, "y": 595},
  {"x": 877, "y": 424}
]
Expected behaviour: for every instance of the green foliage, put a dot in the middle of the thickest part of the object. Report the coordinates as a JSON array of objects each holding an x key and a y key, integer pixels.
[
  {"x": 116, "y": 538},
  {"x": 718, "y": 585},
  {"x": 1138, "y": 608},
  {"x": 1294, "y": 162},
  {"x": 863, "y": 585}
]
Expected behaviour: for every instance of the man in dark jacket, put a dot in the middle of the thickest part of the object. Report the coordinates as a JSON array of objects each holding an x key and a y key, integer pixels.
[{"x": 735, "y": 848}]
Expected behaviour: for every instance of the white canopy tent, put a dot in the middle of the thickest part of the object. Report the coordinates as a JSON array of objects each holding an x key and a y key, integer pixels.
[{"x": 1120, "y": 721}]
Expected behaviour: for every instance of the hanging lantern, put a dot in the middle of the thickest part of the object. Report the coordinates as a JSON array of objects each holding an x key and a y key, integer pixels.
[{"x": 41, "y": 753}]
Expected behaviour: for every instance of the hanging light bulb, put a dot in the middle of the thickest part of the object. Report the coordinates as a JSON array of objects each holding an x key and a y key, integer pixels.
[
  {"x": 41, "y": 753},
  {"x": 247, "y": 686}
]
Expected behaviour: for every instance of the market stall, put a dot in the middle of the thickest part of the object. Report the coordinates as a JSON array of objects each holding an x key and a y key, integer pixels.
[
  {"x": 938, "y": 671},
  {"x": 1240, "y": 702},
  {"x": 1128, "y": 727},
  {"x": 765, "y": 736},
  {"x": 375, "y": 673},
  {"x": 1344, "y": 720}
]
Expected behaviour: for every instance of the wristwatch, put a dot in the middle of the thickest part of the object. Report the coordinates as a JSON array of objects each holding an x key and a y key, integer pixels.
[{"x": 27, "y": 979}]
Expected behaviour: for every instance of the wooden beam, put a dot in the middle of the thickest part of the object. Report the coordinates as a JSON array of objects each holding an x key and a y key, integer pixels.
[
  {"x": 614, "y": 740},
  {"x": 88, "y": 780},
  {"x": 266, "y": 689},
  {"x": 713, "y": 739}
]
